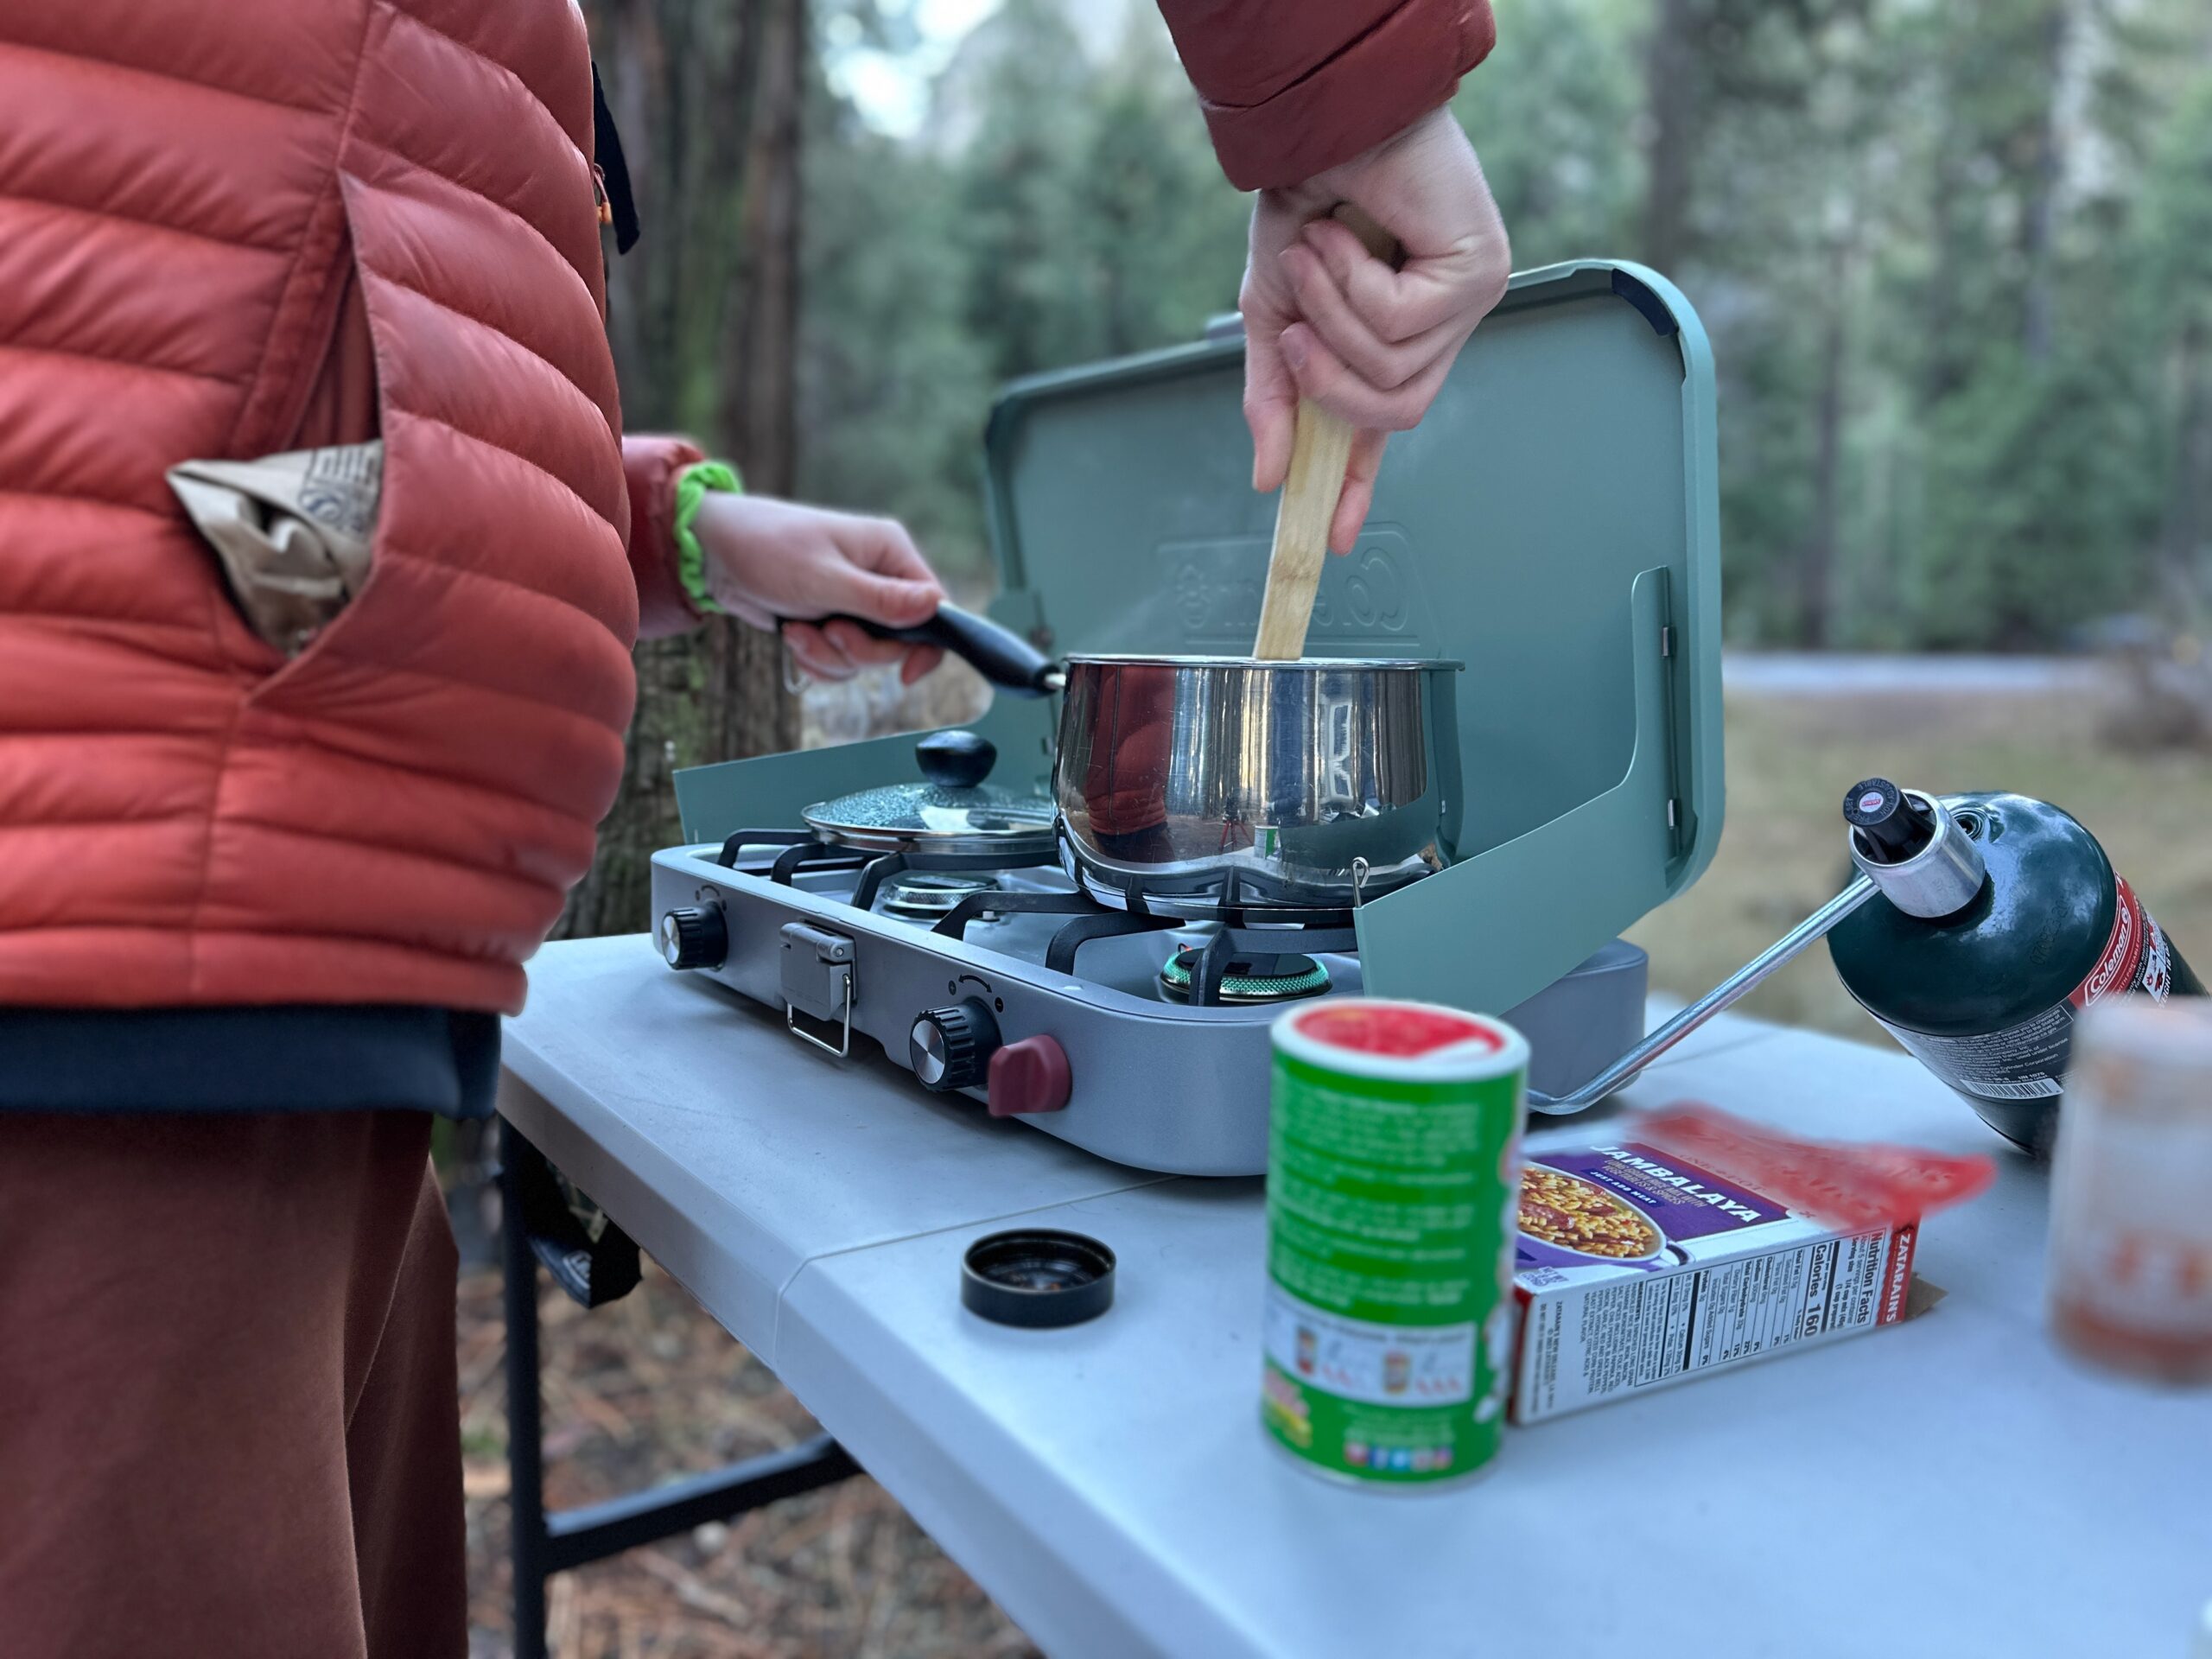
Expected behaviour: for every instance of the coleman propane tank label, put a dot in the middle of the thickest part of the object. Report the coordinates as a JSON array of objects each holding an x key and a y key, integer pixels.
[
  {"x": 2027, "y": 1061},
  {"x": 2136, "y": 958}
]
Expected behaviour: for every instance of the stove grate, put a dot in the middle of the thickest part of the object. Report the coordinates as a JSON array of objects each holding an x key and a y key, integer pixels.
[
  {"x": 799, "y": 849},
  {"x": 1092, "y": 920},
  {"x": 1059, "y": 956},
  {"x": 1015, "y": 854},
  {"x": 934, "y": 892},
  {"x": 1241, "y": 937}
]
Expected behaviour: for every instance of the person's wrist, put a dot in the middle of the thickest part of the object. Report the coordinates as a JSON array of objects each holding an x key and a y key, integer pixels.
[{"x": 1425, "y": 132}]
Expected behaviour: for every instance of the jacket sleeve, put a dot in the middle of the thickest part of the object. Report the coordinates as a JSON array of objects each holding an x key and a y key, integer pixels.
[
  {"x": 1293, "y": 87},
  {"x": 650, "y": 466}
]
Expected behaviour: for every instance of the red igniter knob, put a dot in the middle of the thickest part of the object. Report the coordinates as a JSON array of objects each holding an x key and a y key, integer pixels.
[{"x": 1030, "y": 1075}]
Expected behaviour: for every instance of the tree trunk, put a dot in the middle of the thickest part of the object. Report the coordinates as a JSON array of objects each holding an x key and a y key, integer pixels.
[
  {"x": 1944, "y": 358},
  {"x": 1670, "y": 104},
  {"x": 752, "y": 710},
  {"x": 2188, "y": 500},
  {"x": 2039, "y": 218},
  {"x": 615, "y": 897},
  {"x": 680, "y": 77}
]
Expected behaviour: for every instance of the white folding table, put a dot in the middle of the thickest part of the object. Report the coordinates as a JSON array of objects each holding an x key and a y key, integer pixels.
[{"x": 1951, "y": 1487}]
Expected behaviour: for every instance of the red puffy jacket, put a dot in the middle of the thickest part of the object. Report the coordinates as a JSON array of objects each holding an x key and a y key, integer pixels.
[
  {"x": 191, "y": 192},
  {"x": 1292, "y": 87},
  {"x": 226, "y": 230}
]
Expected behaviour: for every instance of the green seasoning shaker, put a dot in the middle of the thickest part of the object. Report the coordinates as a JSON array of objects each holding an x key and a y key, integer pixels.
[
  {"x": 2004, "y": 920},
  {"x": 1392, "y": 1181}
]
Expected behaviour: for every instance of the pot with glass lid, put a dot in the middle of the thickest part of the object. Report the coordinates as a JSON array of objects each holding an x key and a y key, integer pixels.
[{"x": 952, "y": 809}]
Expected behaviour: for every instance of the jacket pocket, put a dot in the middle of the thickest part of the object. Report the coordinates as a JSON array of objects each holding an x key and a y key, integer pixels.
[{"x": 343, "y": 411}]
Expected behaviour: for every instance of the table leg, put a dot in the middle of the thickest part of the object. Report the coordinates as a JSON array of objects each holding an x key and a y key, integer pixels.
[
  {"x": 525, "y": 1428},
  {"x": 542, "y": 1544}
]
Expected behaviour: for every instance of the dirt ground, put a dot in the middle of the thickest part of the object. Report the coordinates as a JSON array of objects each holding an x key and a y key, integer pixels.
[{"x": 651, "y": 1387}]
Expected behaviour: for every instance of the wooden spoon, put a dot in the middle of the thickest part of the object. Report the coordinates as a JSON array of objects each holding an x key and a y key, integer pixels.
[{"x": 1320, "y": 449}]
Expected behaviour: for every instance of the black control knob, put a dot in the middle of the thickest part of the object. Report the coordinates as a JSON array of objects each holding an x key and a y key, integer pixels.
[
  {"x": 694, "y": 936},
  {"x": 1893, "y": 826},
  {"x": 951, "y": 1048}
]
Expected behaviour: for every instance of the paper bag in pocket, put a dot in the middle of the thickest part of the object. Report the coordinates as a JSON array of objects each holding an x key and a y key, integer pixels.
[{"x": 292, "y": 531}]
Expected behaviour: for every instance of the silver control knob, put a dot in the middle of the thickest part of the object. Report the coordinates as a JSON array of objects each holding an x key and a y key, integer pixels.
[
  {"x": 951, "y": 1048},
  {"x": 694, "y": 936}
]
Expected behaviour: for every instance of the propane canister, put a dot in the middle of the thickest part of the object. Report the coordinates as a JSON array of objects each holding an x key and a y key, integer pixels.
[{"x": 2004, "y": 919}]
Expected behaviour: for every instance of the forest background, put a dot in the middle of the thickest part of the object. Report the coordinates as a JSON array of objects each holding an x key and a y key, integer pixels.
[{"x": 1955, "y": 259}]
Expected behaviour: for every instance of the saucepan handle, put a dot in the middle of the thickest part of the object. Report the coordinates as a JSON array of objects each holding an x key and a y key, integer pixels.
[{"x": 1000, "y": 655}]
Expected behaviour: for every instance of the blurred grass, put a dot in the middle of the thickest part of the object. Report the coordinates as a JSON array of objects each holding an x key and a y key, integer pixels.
[{"x": 1790, "y": 760}]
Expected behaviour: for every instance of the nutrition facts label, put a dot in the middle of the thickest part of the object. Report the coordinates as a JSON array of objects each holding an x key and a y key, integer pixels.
[{"x": 1579, "y": 1346}]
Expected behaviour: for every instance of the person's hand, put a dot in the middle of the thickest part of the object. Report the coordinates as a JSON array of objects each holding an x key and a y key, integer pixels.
[
  {"x": 1324, "y": 318},
  {"x": 777, "y": 563}
]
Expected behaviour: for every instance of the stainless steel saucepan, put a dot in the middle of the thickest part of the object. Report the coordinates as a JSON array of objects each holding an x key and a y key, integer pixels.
[{"x": 1200, "y": 782}]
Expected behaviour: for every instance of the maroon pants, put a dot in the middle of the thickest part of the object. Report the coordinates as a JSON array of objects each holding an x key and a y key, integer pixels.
[{"x": 227, "y": 1415}]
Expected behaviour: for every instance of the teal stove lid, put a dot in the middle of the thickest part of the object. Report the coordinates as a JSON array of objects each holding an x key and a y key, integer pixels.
[{"x": 1553, "y": 524}]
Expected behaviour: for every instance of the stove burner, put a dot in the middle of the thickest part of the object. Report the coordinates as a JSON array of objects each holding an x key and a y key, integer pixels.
[
  {"x": 932, "y": 893},
  {"x": 1250, "y": 976}
]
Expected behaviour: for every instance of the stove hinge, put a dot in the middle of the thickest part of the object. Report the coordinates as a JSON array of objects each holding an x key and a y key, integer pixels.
[
  {"x": 817, "y": 979},
  {"x": 1678, "y": 825}
]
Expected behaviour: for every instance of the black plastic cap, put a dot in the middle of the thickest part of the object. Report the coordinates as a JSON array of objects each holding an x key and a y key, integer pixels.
[
  {"x": 1889, "y": 824},
  {"x": 1036, "y": 1278}
]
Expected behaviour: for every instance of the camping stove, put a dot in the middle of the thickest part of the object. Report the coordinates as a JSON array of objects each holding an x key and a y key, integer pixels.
[
  {"x": 1139, "y": 1036},
  {"x": 1551, "y": 524}
]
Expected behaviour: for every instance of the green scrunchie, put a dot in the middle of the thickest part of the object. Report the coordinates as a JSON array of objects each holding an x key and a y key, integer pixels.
[{"x": 691, "y": 487}]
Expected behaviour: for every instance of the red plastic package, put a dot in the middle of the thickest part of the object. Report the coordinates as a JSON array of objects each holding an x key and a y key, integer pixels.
[{"x": 1843, "y": 1183}]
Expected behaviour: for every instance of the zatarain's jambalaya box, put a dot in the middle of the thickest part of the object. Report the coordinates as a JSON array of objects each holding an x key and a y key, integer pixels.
[{"x": 1693, "y": 1241}]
